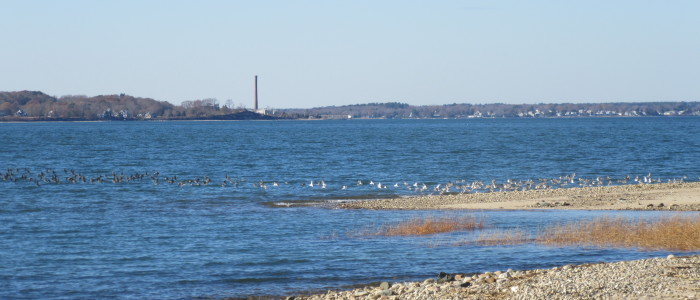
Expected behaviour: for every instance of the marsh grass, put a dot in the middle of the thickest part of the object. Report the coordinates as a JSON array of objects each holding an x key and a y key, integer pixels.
[
  {"x": 426, "y": 226},
  {"x": 673, "y": 233},
  {"x": 677, "y": 233}
]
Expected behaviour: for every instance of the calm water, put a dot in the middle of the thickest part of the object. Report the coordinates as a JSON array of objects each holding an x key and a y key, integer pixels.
[{"x": 146, "y": 240}]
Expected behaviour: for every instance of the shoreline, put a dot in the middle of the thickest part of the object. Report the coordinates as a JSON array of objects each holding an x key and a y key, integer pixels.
[
  {"x": 672, "y": 277},
  {"x": 661, "y": 196},
  {"x": 653, "y": 278}
]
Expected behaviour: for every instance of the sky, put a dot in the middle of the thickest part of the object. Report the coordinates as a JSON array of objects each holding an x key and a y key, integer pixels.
[{"x": 320, "y": 53}]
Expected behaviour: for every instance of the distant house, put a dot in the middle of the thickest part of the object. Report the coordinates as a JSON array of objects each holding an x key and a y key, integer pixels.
[
  {"x": 146, "y": 116},
  {"x": 20, "y": 113},
  {"x": 107, "y": 114},
  {"x": 123, "y": 114},
  {"x": 335, "y": 117}
]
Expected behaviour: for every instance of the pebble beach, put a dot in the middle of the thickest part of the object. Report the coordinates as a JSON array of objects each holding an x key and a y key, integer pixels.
[{"x": 656, "y": 278}]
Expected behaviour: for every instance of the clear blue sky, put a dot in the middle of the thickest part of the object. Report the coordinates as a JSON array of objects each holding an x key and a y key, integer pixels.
[{"x": 317, "y": 53}]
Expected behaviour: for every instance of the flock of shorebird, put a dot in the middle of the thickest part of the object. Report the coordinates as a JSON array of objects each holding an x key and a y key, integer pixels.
[{"x": 66, "y": 176}]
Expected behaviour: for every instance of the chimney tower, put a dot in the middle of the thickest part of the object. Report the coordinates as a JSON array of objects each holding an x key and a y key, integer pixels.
[{"x": 256, "y": 93}]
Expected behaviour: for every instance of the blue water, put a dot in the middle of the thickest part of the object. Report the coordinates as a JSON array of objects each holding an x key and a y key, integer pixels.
[{"x": 168, "y": 241}]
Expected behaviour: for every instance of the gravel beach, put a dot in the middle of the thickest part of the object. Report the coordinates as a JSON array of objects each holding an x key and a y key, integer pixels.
[{"x": 656, "y": 278}]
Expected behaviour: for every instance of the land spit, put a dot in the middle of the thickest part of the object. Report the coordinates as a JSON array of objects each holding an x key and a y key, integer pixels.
[
  {"x": 663, "y": 196},
  {"x": 655, "y": 278}
]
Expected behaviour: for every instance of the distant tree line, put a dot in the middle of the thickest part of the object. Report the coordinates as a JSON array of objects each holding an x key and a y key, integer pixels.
[
  {"x": 34, "y": 105},
  {"x": 499, "y": 110}
]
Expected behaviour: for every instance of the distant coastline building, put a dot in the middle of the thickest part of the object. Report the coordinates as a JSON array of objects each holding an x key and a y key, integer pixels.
[{"x": 255, "y": 105}]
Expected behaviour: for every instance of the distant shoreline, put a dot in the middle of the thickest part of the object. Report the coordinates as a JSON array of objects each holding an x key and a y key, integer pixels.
[
  {"x": 35, "y": 105},
  {"x": 272, "y": 118}
]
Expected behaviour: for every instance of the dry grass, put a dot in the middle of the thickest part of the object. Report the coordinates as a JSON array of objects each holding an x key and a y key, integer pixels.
[
  {"x": 671, "y": 233},
  {"x": 675, "y": 233},
  {"x": 427, "y": 226}
]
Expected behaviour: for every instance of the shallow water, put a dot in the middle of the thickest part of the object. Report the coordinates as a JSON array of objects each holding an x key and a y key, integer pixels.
[{"x": 147, "y": 240}]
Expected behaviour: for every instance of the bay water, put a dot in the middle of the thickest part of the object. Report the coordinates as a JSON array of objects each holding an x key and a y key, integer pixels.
[{"x": 192, "y": 210}]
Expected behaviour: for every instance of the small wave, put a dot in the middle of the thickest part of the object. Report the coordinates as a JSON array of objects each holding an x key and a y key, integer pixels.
[
  {"x": 275, "y": 262},
  {"x": 300, "y": 203},
  {"x": 325, "y": 202},
  {"x": 255, "y": 279}
]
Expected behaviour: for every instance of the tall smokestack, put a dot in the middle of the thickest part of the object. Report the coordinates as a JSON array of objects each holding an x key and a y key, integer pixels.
[{"x": 256, "y": 93}]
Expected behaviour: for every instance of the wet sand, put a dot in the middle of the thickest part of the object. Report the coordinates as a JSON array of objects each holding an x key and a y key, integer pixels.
[{"x": 662, "y": 196}]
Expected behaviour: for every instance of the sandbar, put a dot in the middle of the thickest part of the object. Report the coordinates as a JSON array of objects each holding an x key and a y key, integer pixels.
[{"x": 683, "y": 196}]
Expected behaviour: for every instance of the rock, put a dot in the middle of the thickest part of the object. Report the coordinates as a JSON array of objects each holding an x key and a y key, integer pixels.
[
  {"x": 444, "y": 277},
  {"x": 503, "y": 275},
  {"x": 661, "y": 205},
  {"x": 514, "y": 289},
  {"x": 428, "y": 281},
  {"x": 490, "y": 280},
  {"x": 384, "y": 285},
  {"x": 670, "y": 256}
]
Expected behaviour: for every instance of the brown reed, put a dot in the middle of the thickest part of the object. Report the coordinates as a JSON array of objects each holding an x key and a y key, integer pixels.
[
  {"x": 427, "y": 226},
  {"x": 676, "y": 233}
]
